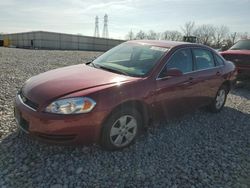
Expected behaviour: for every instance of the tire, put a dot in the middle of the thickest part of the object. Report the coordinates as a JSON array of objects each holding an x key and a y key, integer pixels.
[
  {"x": 219, "y": 100},
  {"x": 121, "y": 129}
]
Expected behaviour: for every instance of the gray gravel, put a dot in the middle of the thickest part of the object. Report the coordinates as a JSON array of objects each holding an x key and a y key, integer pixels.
[{"x": 197, "y": 150}]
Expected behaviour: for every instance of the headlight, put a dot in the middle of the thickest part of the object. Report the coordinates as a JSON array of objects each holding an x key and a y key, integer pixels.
[{"x": 71, "y": 106}]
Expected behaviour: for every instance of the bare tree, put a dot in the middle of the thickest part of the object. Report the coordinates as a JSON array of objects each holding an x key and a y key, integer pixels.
[
  {"x": 205, "y": 34},
  {"x": 152, "y": 35},
  {"x": 141, "y": 35},
  {"x": 188, "y": 28},
  {"x": 159, "y": 35},
  {"x": 234, "y": 37},
  {"x": 244, "y": 35},
  {"x": 172, "y": 35},
  {"x": 220, "y": 34},
  {"x": 230, "y": 40},
  {"x": 130, "y": 35}
]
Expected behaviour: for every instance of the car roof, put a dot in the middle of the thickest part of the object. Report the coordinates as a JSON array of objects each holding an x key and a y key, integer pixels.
[{"x": 163, "y": 43}]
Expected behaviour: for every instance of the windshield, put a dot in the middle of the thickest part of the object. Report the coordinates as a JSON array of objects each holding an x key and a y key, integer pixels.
[
  {"x": 241, "y": 45},
  {"x": 130, "y": 59}
]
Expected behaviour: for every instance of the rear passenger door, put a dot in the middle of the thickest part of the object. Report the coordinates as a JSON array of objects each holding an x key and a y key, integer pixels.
[{"x": 208, "y": 74}]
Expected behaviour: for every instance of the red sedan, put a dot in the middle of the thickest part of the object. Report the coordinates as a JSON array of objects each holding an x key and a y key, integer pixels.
[
  {"x": 110, "y": 100},
  {"x": 239, "y": 53}
]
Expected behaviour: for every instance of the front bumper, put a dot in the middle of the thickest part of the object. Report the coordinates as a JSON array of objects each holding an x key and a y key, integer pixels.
[{"x": 53, "y": 128}]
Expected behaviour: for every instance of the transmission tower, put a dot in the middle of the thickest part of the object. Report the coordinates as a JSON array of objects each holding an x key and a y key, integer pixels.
[
  {"x": 105, "y": 33},
  {"x": 96, "y": 34}
]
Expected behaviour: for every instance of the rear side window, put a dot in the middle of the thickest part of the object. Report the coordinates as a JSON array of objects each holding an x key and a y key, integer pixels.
[
  {"x": 203, "y": 58},
  {"x": 181, "y": 60},
  {"x": 218, "y": 60}
]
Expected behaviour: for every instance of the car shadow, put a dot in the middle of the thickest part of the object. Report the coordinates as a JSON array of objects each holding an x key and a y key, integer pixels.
[
  {"x": 242, "y": 89},
  {"x": 175, "y": 150}
]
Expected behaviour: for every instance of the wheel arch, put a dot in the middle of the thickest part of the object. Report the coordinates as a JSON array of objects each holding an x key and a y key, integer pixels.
[
  {"x": 227, "y": 84},
  {"x": 142, "y": 108}
]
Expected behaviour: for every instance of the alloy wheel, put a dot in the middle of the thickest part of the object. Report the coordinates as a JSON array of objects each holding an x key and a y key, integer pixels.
[
  {"x": 220, "y": 98},
  {"x": 123, "y": 131}
]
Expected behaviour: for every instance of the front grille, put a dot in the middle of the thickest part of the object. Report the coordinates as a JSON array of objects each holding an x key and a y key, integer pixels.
[{"x": 28, "y": 102}]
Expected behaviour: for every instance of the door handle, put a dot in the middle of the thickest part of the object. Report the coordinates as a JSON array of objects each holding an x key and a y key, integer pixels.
[
  {"x": 218, "y": 73},
  {"x": 189, "y": 81}
]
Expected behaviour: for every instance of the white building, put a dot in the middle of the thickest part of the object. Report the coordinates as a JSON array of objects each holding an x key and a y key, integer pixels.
[{"x": 59, "y": 41}]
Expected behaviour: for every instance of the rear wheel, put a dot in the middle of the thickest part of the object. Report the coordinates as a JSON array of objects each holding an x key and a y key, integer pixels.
[
  {"x": 219, "y": 100},
  {"x": 121, "y": 129}
]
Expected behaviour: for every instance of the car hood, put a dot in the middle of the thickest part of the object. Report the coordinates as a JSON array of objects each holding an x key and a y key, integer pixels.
[
  {"x": 236, "y": 52},
  {"x": 59, "y": 82}
]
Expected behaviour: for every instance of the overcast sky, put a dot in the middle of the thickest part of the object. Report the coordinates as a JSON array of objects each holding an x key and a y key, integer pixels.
[{"x": 78, "y": 16}]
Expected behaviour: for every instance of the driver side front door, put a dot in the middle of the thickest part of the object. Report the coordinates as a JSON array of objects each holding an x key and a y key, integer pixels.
[{"x": 177, "y": 95}]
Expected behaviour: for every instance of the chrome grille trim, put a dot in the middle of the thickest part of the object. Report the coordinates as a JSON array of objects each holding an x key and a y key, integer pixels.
[{"x": 21, "y": 100}]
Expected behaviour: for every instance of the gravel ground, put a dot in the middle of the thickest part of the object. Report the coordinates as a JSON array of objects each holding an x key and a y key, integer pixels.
[{"x": 197, "y": 150}]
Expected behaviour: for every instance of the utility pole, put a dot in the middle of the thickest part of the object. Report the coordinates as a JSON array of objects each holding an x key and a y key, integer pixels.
[
  {"x": 96, "y": 34},
  {"x": 105, "y": 33}
]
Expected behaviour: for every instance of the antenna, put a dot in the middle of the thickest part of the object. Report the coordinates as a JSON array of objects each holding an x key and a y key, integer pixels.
[
  {"x": 105, "y": 33},
  {"x": 96, "y": 34}
]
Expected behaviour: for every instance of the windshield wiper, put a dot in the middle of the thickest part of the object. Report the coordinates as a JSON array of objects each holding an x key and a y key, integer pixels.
[
  {"x": 113, "y": 70},
  {"x": 91, "y": 63}
]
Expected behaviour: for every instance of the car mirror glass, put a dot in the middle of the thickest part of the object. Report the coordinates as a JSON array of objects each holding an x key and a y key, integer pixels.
[{"x": 173, "y": 72}]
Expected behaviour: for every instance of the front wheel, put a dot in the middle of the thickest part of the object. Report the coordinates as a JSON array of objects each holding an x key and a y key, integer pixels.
[
  {"x": 219, "y": 100},
  {"x": 121, "y": 129}
]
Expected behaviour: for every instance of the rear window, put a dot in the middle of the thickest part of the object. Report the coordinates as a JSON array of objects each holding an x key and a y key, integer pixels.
[{"x": 241, "y": 45}]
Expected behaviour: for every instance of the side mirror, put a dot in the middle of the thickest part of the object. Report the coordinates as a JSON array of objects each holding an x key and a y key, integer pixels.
[{"x": 173, "y": 72}]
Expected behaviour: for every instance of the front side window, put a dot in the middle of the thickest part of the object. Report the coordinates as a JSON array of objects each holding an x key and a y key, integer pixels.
[
  {"x": 203, "y": 58},
  {"x": 130, "y": 59},
  {"x": 182, "y": 60}
]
